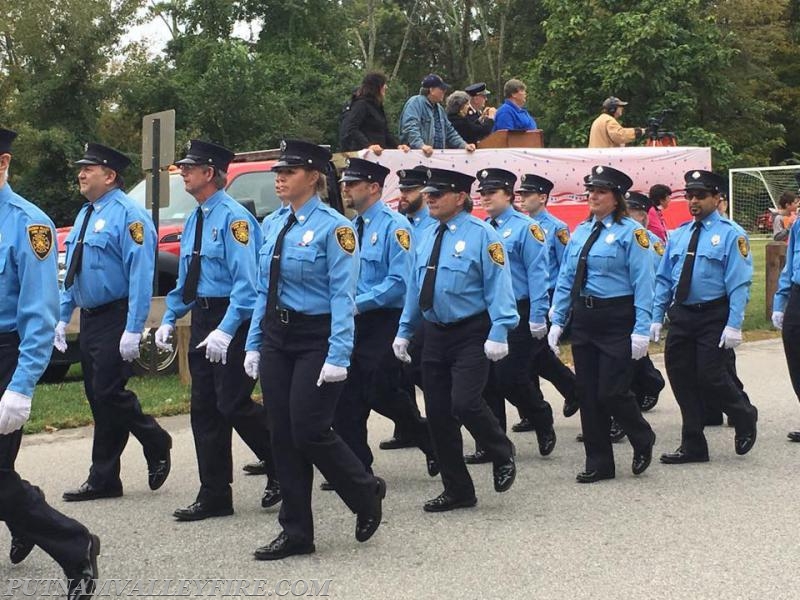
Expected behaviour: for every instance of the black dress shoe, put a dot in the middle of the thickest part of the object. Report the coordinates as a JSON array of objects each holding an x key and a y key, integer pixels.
[
  {"x": 794, "y": 436},
  {"x": 642, "y": 460},
  {"x": 523, "y": 425},
  {"x": 744, "y": 443},
  {"x": 256, "y": 468},
  {"x": 680, "y": 457},
  {"x": 88, "y": 492},
  {"x": 158, "y": 470},
  {"x": 444, "y": 502},
  {"x": 571, "y": 406},
  {"x": 547, "y": 441},
  {"x": 396, "y": 443},
  {"x": 81, "y": 581},
  {"x": 592, "y": 476},
  {"x": 479, "y": 457},
  {"x": 579, "y": 437},
  {"x": 367, "y": 523},
  {"x": 616, "y": 433},
  {"x": 432, "y": 464},
  {"x": 505, "y": 473},
  {"x": 198, "y": 511},
  {"x": 272, "y": 494},
  {"x": 281, "y": 547},
  {"x": 326, "y": 486},
  {"x": 647, "y": 403}
]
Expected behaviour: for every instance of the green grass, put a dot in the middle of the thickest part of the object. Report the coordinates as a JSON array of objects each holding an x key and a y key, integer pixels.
[{"x": 754, "y": 317}]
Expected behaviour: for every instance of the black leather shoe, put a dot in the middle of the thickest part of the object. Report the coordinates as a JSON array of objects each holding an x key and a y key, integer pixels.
[
  {"x": 478, "y": 458},
  {"x": 81, "y": 581},
  {"x": 158, "y": 471},
  {"x": 88, "y": 492},
  {"x": 505, "y": 474},
  {"x": 256, "y": 468},
  {"x": 272, "y": 494},
  {"x": 198, "y": 511},
  {"x": 616, "y": 433},
  {"x": 794, "y": 436},
  {"x": 642, "y": 460},
  {"x": 647, "y": 403},
  {"x": 396, "y": 443},
  {"x": 547, "y": 441},
  {"x": 592, "y": 476},
  {"x": 680, "y": 457},
  {"x": 326, "y": 486},
  {"x": 523, "y": 425},
  {"x": 281, "y": 547},
  {"x": 579, "y": 437},
  {"x": 432, "y": 464},
  {"x": 444, "y": 502},
  {"x": 744, "y": 443},
  {"x": 571, "y": 406},
  {"x": 367, "y": 523}
]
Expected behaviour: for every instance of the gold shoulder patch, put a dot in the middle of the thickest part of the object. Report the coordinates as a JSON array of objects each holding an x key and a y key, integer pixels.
[
  {"x": 536, "y": 232},
  {"x": 403, "y": 238},
  {"x": 563, "y": 235},
  {"x": 346, "y": 239},
  {"x": 744, "y": 246},
  {"x": 136, "y": 229},
  {"x": 659, "y": 248},
  {"x": 642, "y": 238},
  {"x": 41, "y": 239},
  {"x": 497, "y": 253},
  {"x": 241, "y": 231}
]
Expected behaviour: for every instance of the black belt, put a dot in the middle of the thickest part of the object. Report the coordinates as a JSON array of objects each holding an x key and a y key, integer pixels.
[
  {"x": 796, "y": 288},
  {"x": 9, "y": 337},
  {"x": 700, "y": 306},
  {"x": 286, "y": 316},
  {"x": 98, "y": 310},
  {"x": 459, "y": 323},
  {"x": 209, "y": 303},
  {"x": 593, "y": 302}
]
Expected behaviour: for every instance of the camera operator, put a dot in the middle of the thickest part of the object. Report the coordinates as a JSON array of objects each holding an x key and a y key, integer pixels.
[{"x": 606, "y": 132}]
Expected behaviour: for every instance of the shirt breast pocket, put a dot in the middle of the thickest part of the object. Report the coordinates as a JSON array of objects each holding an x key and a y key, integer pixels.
[
  {"x": 95, "y": 247},
  {"x": 603, "y": 257},
  {"x": 3, "y": 259},
  {"x": 455, "y": 276},
  {"x": 299, "y": 263},
  {"x": 709, "y": 264},
  {"x": 371, "y": 258}
]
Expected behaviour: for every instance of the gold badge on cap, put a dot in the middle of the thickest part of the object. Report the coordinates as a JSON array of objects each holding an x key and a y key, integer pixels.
[
  {"x": 497, "y": 254},
  {"x": 659, "y": 248},
  {"x": 744, "y": 246},
  {"x": 563, "y": 235},
  {"x": 403, "y": 238},
  {"x": 642, "y": 238},
  {"x": 136, "y": 230},
  {"x": 346, "y": 239},
  {"x": 41, "y": 240},
  {"x": 241, "y": 231},
  {"x": 537, "y": 232}
]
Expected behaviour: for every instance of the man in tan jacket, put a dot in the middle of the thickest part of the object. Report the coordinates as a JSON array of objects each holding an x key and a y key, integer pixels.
[{"x": 606, "y": 131}]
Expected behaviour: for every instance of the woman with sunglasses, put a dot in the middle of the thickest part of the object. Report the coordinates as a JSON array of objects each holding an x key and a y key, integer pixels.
[{"x": 606, "y": 283}]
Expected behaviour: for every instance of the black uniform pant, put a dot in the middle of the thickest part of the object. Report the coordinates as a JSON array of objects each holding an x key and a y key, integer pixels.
[
  {"x": 22, "y": 506},
  {"x": 791, "y": 337},
  {"x": 374, "y": 383},
  {"x": 220, "y": 403},
  {"x": 699, "y": 369},
  {"x": 301, "y": 415},
  {"x": 601, "y": 348},
  {"x": 411, "y": 379},
  {"x": 454, "y": 372},
  {"x": 509, "y": 379},
  {"x": 647, "y": 380},
  {"x": 116, "y": 410}
]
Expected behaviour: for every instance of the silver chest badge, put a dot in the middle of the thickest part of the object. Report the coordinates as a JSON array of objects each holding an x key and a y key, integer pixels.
[
  {"x": 506, "y": 233},
  {"x": 610, "y": 238},
  {"x": 308, "y": 236},
  {"x": 460, "y": 245},
  {"x": 99, "y": 224},
  {"x": 374, "y": 239},
  {"x": 715, "y": 240},
  {"x": 214, "y": 234}
]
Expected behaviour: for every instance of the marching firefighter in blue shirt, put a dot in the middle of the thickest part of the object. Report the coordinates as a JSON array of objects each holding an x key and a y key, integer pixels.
[
  {"x": 374, "y": 379},
  {"x": 526, "y": 254},
  {"x": 460, "y": 288},
  {"x": 606, "y": 282},
  {"x": 703, "y": 285},
  {"x": 110, "y": 264},
  {"x": 301, "y": 338},
  {"x": 216, "y": 281}
]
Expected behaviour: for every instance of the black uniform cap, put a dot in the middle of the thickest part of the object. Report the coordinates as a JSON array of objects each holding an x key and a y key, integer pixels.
[
  {"x": 6, "y": 138},
  {"x": 704, "y": 180},
  {"x": 638, "y": 201},
  {"x": 199, "y": 152},
  {"x": 477, "y": 88},
  {"x": 535, "y": 183},
  {"x": 97, "y": 154},
  {"x": 444, "y": 180},
  {"x": 299, "y": 153},
  {"x": 358, "y": 169},
  {"x": 608, "y": 177},
  {"x": 412, "y": 178},
  {"x": 496, "y": 179}
]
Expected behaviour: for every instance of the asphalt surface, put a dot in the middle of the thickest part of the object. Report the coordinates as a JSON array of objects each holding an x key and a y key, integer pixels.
[{"x": 725, "y": 529}]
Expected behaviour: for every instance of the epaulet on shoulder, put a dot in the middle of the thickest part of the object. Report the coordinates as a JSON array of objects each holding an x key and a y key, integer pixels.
[
  {"x": 33, "y": 212},
  {"x": 726, "y": 220},
  {"x": 685, "y": 223}
]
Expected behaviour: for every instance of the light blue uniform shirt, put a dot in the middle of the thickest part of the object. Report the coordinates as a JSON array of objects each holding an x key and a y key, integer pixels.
[
  {"x": 526, "y": 253},
  {"x": 421, "y": 220},
  {"x": 269, "y": 221},
  {"x": 791, "y": 271},
  {"x": 319, "y": 271},
  {"x": 723, "y": 266},
  {"x": 385, "y": 254},
  {"x": 658, "y": 249},
  {"x": 557, "y": 234},
  {"x": 620, "y": 263},
  {"x": 472, "y": 277},
  {"x": 29, "y": 284},
  {"x": 118, "y": 258},
  {"x": 231, "y": 239}
]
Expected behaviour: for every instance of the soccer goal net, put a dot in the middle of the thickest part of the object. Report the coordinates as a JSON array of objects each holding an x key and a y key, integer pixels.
[{"x": 754, "y": 195}]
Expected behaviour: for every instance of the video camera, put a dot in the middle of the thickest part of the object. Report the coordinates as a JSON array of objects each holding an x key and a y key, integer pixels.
[{"x": 653, "y": 130}]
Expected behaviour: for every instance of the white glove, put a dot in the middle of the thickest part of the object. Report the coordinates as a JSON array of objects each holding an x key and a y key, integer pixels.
[
  {"x": 14, "y": 411},
  {"x": 129, "y": 345},
  {"x": 538, "y": 330},
  {"x": 730, "y": 338},
  {"x": 162, "y": 337},
  {"x": 60, "y": 341},
  {"x": 551, "y": 312},
  {"x": 331, "y": 374},
  {"x": 252, "y": 359},
  {"x": 655, "y": 332},
  {"x": 216, "y": 345},
  {"x": 639, "y": 345},
  {"x": 553, "y": 337},
  {"x": 400, "y": 349},
  {"x": 495, "y": 350},
  {"x": 777, "y": 319}
]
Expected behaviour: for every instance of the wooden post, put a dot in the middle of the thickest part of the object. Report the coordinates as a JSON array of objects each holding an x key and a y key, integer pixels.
[
  {"x": 182, "y": 336},
  {"x": 776, "y": 259}
]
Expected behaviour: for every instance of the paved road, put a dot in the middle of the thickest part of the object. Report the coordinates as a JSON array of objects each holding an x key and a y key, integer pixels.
[{"x": 727, "y": 529}]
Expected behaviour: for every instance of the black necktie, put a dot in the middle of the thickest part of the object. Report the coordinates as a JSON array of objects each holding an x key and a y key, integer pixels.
[
  {"x": 193, "y": 274},
  {"x": 360, "y": 229},
  {"x": 580, "y": 271},
  {"x": 685, "y": 282},
  {"x": 275, "y": 265},
  {"x": 494, "y": 223},
  {"x": 77, "y": 254},
  {"x": 426, "y": 295}
]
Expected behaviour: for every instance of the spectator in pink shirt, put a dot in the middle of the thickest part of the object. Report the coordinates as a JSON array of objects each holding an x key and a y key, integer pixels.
[{"x": 660, "y": 197}]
